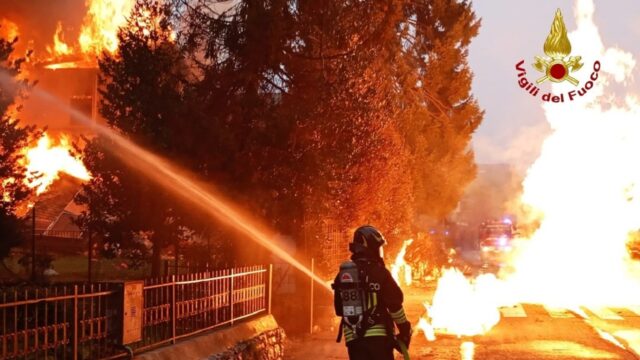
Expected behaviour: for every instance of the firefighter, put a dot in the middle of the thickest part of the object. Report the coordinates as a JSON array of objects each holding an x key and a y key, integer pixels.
[{"x": 370, "y": 301}]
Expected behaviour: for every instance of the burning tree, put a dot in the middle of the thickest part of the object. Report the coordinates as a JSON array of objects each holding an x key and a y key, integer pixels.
[{"x": 13, "y": 138}]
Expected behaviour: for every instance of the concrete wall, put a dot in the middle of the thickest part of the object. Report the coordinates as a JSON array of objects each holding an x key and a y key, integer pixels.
[
  {"x": 266, "y": 346},
  {"x": 259, "y": 339}
]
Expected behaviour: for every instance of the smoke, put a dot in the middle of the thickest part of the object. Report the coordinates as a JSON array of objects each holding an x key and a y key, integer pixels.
[{"x": 37, "y": 20}]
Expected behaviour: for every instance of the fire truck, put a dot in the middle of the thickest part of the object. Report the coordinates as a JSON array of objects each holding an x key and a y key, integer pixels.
[{"x": 496, "y": 240}]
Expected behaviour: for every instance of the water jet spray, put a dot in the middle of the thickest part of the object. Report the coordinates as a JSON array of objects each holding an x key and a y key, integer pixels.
[{"x": 178, "y": 181}]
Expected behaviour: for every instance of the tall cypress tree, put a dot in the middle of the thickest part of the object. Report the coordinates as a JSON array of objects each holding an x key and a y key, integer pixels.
[{"x": 442, "y": 114}]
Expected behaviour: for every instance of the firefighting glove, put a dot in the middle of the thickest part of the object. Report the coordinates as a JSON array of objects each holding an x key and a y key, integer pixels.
[{"x": 405, "y": 333}]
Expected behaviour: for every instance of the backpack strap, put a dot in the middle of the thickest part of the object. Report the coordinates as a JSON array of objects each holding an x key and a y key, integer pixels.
[
  {"x": 369, "y": 310},
  {"x": 339, "y": 338}
]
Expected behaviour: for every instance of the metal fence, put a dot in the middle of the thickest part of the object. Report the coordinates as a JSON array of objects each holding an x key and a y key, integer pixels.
[
  {"x": 61, "y": 322},
  {"x": 178, "y": 306},
  {"x": 85, "y": 321}
]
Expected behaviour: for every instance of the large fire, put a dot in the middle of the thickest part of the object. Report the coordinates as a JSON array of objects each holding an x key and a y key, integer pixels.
[
  {"x": 100, "y": 29},
  {"x": 45, "y": 161},
  {"x": 585, "y": 186},
  {"x": 99, "y": 32}
]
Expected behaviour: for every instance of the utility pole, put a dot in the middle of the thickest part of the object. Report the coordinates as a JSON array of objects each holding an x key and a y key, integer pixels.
[
  {"x": 175, "y": 259},
  {"x": 90, "y": 254},
  {"x": 33, "y": 242},
  {"x": 311, "y": 298}
]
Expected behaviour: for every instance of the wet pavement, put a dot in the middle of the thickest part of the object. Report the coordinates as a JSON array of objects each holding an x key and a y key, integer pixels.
[{"x": 525, "y": 331}]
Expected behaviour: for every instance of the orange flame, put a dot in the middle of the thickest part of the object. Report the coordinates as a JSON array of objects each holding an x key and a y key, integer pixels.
[
  {"x": 400, "y": 270},
  {"x": 462, "y": 307},
  {"x": 60, "y": 48},
  {"x": 99, "y": 32},
  {"x": 8, "y": 30},
  {"x": 46, "y": 161},
  {"x": 100, "y": 29}
]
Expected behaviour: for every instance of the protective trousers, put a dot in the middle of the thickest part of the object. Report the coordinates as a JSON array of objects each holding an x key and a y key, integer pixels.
[{"x": 371, "y": 348}]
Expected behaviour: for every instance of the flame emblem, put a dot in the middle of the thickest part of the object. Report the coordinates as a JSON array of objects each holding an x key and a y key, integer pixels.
[{"x": 556, "y": 66}]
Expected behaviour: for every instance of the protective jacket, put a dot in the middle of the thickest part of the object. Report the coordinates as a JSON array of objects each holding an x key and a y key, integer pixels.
[{"x": 383, "y": 301}]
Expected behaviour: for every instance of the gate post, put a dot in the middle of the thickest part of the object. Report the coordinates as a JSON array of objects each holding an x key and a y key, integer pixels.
[
  {"x": 75, "y": 322},
  {"x": 231, "y": 293},
  {"x": 173, "y": 309},
  {"x": 270, "y": 280},
  {"x": 311, "y": 298}
]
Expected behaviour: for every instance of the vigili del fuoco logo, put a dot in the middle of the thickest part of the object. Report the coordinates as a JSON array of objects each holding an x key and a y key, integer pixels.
[{"x": 557, "y": 66}]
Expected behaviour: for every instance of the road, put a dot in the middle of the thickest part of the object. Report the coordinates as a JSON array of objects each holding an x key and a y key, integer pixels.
[{"x": 525, "y": 331}]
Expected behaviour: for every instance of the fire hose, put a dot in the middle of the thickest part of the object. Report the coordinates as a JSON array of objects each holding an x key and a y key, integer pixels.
[{"x": 402, "y": 348}]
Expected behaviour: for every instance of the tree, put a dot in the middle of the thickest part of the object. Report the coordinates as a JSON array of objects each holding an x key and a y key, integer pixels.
[
  {"x": 387, "y": 112},
  {"x": 356, "y": 111},
  {"x": 330, "y": 106},
  {"x": 142, "y": 98},
  {"x": 13, "y": 138},
  {"x": 441, "y": 113},
  {"x": 341, "y": 64}
]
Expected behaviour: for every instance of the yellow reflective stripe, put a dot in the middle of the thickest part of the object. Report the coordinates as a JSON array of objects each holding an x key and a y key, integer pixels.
[
  {"x": 399, "y": 316},
  {"x": 375, "y": 330},
  {"x": 375, "y": 299},
  {"x": 348, "y": 334},
  {"x": 376, "y": 326},
  {"x": 401, "y": 320},
  {"x": 398, "y": 313}
]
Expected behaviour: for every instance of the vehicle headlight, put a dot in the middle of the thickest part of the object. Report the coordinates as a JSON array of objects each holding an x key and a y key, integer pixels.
[{"x": 503, "y": 241}]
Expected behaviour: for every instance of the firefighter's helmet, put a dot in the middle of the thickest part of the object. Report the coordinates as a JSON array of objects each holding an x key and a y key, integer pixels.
[{"x": 367, "y": 239}]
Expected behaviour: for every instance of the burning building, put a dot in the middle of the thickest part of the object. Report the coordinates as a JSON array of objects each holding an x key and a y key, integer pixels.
[
  {"x": 61, "y": 41},
  {"x": 64, "y": 68},
  {"x": 74, "y": 83}
]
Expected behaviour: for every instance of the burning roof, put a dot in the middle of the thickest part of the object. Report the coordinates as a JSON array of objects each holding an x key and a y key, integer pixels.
[{"x": 68, "y": 31}]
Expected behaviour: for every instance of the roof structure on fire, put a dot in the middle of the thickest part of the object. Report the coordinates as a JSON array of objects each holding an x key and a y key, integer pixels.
[{"x": 56, "y": 210}]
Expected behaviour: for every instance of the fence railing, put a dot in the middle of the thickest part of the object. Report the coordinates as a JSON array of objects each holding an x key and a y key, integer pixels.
[
  {"x": 178, "y": 306},
  {"x": 67, "y": 322},
  {"x": 85, "y": 321}
]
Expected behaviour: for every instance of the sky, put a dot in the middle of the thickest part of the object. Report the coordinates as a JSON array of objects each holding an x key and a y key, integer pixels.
[{"x": 514, "y": 125}]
